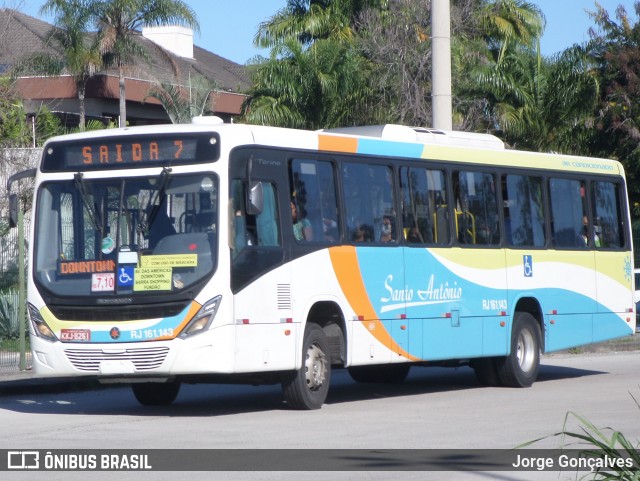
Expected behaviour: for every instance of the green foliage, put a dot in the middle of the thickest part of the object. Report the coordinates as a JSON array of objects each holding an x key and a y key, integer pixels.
[
  {"x": 18, "y": 131},
  {"x": 182, "y": 104},
  {"x": 599, "y": 443},
  {"x": 118, "y": 22},
  {"x": 8, "y": 309}
]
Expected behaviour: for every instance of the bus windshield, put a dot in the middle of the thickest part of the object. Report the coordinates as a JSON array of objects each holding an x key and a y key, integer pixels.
[{"x": 126, "y": 236}]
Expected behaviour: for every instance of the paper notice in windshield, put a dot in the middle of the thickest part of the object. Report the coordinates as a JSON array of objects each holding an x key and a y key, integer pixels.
[
  {"x": 152, "y": 279},
  {"x": 170, "y": 260}
]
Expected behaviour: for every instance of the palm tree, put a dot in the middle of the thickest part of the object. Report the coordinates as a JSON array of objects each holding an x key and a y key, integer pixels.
[
  {"x": 315, "y": 76},
  {"x": 310, "y": 20},
  {"x": 542, "y": 104},
  {"x": 508, "y": 22},
  {"x": 182, "y": 104},
  {"x": 76, "y": 51},
  {"x": 118, "y": 23},
  {"x": 319, "y": 87}
]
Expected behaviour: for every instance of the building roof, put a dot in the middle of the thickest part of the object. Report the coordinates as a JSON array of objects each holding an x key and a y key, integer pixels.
[{"x": 22, "y": 35}]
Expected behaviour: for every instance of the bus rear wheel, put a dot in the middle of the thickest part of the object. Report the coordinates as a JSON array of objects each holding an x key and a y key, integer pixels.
[
  {"x": 307, "y": 387},
  {"x": 385, "y": 373},
  {"x": 520, "y": 367},
  {"x": 156, "y": 393}
]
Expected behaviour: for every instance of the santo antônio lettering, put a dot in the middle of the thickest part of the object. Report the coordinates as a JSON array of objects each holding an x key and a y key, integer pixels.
[{"x": 114, "y": 153}]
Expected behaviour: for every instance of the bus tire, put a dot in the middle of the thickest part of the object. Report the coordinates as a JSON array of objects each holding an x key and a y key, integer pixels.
[
  {"x": 486, "y": 369},
  {"x": 384, "y": 373},
  {"x": 307, "y": 387},
  {"x": 156, "y": 393},
  {"x": 520, "y": 367}
]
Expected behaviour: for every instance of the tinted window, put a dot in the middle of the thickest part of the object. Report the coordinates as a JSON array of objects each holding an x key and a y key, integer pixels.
[
  {"x": 314, "y": 208},
  {"x": 523, "y": 211},
  {"x": 568, "y": 213},
  {"x": 476, "y": 208},
  {"x": 607, "y": 229},
  {"x": 368, "y": 197},
  {"x": 425, "y": 216}
]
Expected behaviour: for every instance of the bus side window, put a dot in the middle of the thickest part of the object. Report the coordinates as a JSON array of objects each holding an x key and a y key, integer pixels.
[
  {"x": 425, "y": 216},
  {"x": 608, "y": 228},
  {"x": 476, "y": 208},
  {"x": 252, "y": 230},
  {"x": 523, "y": 211},
  {"x": 314, "y": 207},
  {"x": 369, "y": 198},
  {"x": 568, "y": 213}
]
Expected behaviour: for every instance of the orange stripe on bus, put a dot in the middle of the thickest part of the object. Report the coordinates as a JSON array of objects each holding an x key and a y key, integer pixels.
[
  {"x": 345, "y": 265},
  {"x": 193, "y": 310},
  {"x": 337, "y": 144}
]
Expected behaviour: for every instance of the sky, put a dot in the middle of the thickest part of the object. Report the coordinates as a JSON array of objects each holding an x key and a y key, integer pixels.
[{"x": 227, "y": 27}]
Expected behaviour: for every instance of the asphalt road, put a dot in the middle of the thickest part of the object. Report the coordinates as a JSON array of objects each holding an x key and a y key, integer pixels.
[{"x": 436, "y": 408}]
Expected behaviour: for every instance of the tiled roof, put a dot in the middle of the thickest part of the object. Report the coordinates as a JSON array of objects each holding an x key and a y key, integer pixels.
[{"x": 21, "y": 35}]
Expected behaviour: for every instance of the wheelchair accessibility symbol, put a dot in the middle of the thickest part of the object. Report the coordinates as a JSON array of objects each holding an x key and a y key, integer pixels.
[
  {"x": 125, "y": 276},
  {"x": 528, "y": 265}
]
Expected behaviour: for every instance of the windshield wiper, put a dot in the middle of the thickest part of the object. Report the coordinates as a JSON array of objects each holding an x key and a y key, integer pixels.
[
  {"x": 147, "y": 218},
  {"x": 82, "y": 188}
]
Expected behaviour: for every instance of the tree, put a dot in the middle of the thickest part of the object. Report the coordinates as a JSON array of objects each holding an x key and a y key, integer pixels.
[
  {"x": 118, "y": 23},
  {"x": 616, "y": 50},
  {"x": 306, "y": 21},
  {"x": 510, "y": 22},
  {"x": 323, "y": 86},
  {"x": 182, "y": 104},
  {"x": 15, "y": 130},
  {"x": 80, "y": 55},
  {"x": 542, "y": 104},
  {"x": 315, "y": 77}
]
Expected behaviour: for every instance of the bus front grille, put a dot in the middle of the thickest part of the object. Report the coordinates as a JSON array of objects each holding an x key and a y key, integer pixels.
[
  {"x": 143, "y": 359},
  {"x": 113, "y": 313}
]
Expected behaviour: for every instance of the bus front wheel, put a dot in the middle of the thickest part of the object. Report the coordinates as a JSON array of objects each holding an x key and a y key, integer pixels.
[
  {"x": 520, "y": 367},
  {"x": 307, "y": 387},
  {"x": 156, "y": 393}
]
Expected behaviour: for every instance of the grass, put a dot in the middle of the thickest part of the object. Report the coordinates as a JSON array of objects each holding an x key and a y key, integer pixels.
[{"x": 600, "y": 444}]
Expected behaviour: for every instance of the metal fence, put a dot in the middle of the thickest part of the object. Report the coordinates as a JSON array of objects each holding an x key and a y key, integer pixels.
[{"x": 12, "y": 350}]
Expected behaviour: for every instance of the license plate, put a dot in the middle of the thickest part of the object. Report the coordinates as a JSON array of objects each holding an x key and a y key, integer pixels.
[{"x": 75, "y": 335}]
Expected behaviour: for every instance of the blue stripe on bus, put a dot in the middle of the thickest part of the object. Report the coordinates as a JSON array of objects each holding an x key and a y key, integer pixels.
[
  {"x": 432, "y": 313},
  {"x": 392, "y": 149}
]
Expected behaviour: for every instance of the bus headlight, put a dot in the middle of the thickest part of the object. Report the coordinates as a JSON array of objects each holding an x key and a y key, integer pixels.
[
  {"x": 39, "y": 325},
  {"x": 203, "y": 319}
]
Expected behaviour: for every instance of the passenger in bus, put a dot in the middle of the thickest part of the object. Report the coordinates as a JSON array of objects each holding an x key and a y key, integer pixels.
[
  {"x": 362, "y": 233},
  {"x": 386, "y": 230},
  {"x": 586, "y": 232},
  {"x": 301, "y": 226},
  {"x": 413, "y": 235}
]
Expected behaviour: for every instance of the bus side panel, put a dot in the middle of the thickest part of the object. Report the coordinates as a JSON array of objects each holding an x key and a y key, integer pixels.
[
  {"x": 267, "y": 328},
  {"x": 462, "y": 293},
  {"x": 615, "y": 296},
  {"x": 579, "y": 304}
]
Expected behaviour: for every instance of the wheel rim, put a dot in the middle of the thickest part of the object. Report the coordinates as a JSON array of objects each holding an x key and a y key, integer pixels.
[
  {"x": 315, "y": 367},
  {"x": 526, "y": 351}
]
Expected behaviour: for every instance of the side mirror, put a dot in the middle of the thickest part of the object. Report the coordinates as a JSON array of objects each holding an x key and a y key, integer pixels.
[
  {"x": 255, "y": 198},
  {"x": 13, "y": 210}
]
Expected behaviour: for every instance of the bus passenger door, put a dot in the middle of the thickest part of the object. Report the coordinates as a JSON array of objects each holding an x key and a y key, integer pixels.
[{"x": 613, "y": 263}]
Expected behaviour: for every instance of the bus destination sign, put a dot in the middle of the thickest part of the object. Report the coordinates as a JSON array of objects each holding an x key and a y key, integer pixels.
[{"x": 130, "y": 151}]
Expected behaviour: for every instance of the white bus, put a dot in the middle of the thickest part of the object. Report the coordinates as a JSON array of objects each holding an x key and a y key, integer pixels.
[{"x": 234, "y": 253}]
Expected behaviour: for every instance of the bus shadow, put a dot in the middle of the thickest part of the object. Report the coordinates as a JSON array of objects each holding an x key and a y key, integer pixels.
[
  {"x": 212, "y": 400},
  {"x": 426, "y": 380}
]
